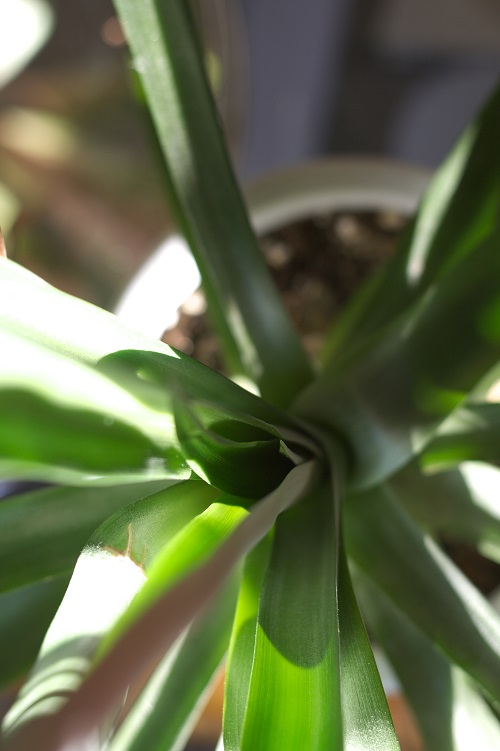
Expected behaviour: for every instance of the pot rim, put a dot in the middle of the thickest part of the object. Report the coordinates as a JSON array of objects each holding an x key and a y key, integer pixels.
[{"x": 334, "y": 184}]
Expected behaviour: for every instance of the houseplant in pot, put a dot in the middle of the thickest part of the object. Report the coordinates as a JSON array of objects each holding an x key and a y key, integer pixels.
[{"x": 203, "y": 517}]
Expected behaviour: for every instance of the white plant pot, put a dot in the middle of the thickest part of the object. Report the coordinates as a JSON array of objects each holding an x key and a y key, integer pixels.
[
  {"x": 339, "y": 184},
  {"x": 168, "y": 278}
]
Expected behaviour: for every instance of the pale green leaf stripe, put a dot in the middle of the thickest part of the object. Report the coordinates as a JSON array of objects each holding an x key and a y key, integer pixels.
[
  {"x": 107, "y": 576},
  {"x": 148, "y": 638},
  {"x": 256, "y": 334},
  {"x": 242, "y": 645},
  {"x": 43, "y": 532},
  {"x": 458, "y": 212},
  {"x": 366, "y": 719},
  {"x": 188, "y": 550},
  {"x": 463, "y": 503},
  {"x": 452, "y": 714},
  {"x": 25, "y": 614},
  {"x": 425, "y": 584},
  {"x": 146, "y": 368},
  {"x": 294, "y": 693},
  {"x": 165, "y": 713}
]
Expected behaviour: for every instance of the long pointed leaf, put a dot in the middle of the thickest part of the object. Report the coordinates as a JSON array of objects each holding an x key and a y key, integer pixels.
[
  {"x": 294, "y": 693},
  {"x": 366, "y": 719},
  {"x": 148, "y": 638},
  {"x": 451, "y": 712},
  {"x": 108, "y": 574},
  {"x": 242, "y": 645},
  {"x": 146, "y": 368},
  {"x": 459, "y": 211},
  {"x": 463, "y": 503},
  {"x": 257, "y": 336},
  {"x": 389, "y": 398},
  {"x": 46, "y": 396},
  {"x": 43, "y": 532},
  {"x": 165, "y": 712},
  {"x": 424, "y": 584},
  {"x": 189, "y": 549}
]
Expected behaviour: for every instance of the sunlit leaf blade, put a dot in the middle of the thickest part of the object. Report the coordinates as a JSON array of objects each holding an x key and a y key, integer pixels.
[
  {"x": 294, "y": 693},
  {"x": 25, "y": 614},
  {"x": 389, "y": 398},
  {"x": 255, "y": 332},
  {"x": 167, "y": 709},
  {"x": 470, "y": 433},
  {"x": 108, "y": 574},
  {"x": 452, "y": 714},
  {"x": 425, "y": 584},
  {"x": 43, "y": 532},
  {"x": 234, "y": 452},
  {"x": 463, "y": 503},
  {"x": 153, "y": 521},
  {"x": 366, "y": 719},
  {"x": 242, "y": 645},
  {"x": 149, "y": 637},
  {"x": 32, "y": 308},
  {"x": 458, "y": 212},
  {"x": 192, "y": 546},
  {"x": 45, "y": 397},
  {"x": 146, "y": 368}
]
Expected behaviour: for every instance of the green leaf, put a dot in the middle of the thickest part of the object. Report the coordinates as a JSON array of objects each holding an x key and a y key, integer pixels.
[
  {"x": 366, "y": 719},
  {"x": 470, "y": 433},
  {"x": 242, "y": 645},
  {"x": 462, "y": 503},
  {"x": 294, "y": 692},
  {"x": 25, "y": 614},
  {"x": 390, "y": 396},
  {"x": 75, "y": 370},
  {"x": 34, "y": 309},
  {"x": 232, "y": 451},
  {"x": 107, "y": 576},
  {"x": 148, "y": 638},
  {"x": 452, "y": 714},
  {"x": 424, "y": 584},
  {"x": 43, "y": 532},
  {"x": 147, "y": 368},
  {"x": 165, "y": 712},
  {"x": 255, "y": 332},
  {"x": 458, "y": 213},
  {"x": 192, "y": 546},
  {"x": 62, "y": 421}
]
